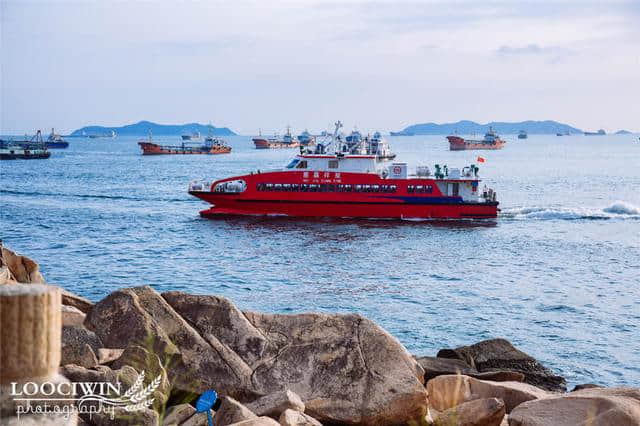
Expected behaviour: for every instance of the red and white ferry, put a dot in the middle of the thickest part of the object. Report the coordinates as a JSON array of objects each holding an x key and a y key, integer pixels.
[{"x": 339, "y": 184}]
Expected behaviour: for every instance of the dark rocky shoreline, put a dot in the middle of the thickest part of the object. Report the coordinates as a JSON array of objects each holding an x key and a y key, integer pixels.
[{"x": 302, "y": 369}]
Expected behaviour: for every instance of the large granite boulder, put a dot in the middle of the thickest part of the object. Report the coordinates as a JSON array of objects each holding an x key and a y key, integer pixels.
[
  {"x": 479, "y": 412},
  {"x": 15, "y": 268},
  {"x": 434, "y": 367},
  {"x": 79, "y": 346},
  {"x": 500, "y": 355},
  {"x": 594, "y": 407},
  {"x": 231, "y": 411},
  {"x": 448, "y": 391},
  {"x": 345, "y": 368}
]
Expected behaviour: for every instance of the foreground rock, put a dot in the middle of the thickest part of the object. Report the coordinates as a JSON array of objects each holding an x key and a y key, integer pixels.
[
  {"x": 15, "y": 268},
  {"x": 434, "y": 367},
  {"x": 344, "y": 367},
  {"x": 296, "y": 418},
  {"x": 275, "y": 404},
  {"x": 480, "y": 412},
  {"x": 231, "y": 411},
  {"x": 593, "y": 407},
  {"x": 448, "y": 391},
  {"x": 500, "y": 355},
  {"x": 79, "y": 346}
]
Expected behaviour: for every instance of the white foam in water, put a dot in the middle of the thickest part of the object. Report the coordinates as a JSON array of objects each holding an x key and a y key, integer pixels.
[{"x": 619, "y": 209}]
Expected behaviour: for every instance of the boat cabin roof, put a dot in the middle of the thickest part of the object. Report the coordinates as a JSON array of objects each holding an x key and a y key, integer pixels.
[{"x": 336, "y": 163}]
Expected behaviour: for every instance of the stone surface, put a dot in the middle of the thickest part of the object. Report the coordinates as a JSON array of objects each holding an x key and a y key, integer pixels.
[
  {"x": 344, "y": 367},
  {"x": 140, "y": 316},
  {"x": 144, "y": 417},
  {"x": 19, "y": 269},
  {"x": 41, "y": 420},
  {"x": 231, "y": 411},
  {"x": 296, "y": 418},
  {"x": 142, "y": 360},
  {"x": 177, "y": 414},
  {"x": 75, "y": 340},
  {"x": 434, "y": 366},
  {"x": 198, "y": 419},
  {"x": 593, "y": 407},
  {"x": 72, "y": 315},
  {"x": 80, "y": 303},
  {"x": 258, "y": 421},
  {"x": 479, "y": 412},
  {"x": 450, "y": 390},
  {"x": 107, "y": 355},
  {"x": 31, "y": 323},
  {"x": 500, "y": 354},
  {"x": 585, "y": 386},
  {"x": 273, "y": 405}
]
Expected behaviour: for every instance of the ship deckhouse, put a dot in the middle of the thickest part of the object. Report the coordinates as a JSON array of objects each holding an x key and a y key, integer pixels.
[{"x": 335, "y": 163}]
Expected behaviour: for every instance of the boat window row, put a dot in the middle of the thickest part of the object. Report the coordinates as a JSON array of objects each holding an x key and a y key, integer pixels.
[
  {"x": 324, "y": 187},
  {"x": 419, "y": 189}
]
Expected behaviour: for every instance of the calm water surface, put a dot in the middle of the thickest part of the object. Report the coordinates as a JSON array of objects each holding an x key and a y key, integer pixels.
[{"x": 557, "y": 273}]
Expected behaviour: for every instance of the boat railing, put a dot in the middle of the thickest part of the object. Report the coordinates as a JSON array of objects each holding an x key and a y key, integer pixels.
[{"x": 199, "y": 186}]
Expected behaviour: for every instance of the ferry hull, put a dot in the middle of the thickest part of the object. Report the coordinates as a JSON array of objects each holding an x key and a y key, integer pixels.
[
  {"x": 261, "y": 143},
  {"x": 154, "y": 149},
  {"x": 57, "y": 145},
  {"x": 457, "y": 143},
  {"x": 225, "y": 205}
]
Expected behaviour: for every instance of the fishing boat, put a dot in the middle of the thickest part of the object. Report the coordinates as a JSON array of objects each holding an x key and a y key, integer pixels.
[
  {"x": 306, "y": 139},
  {"x": 211, "y": 146},
  {"x": 195, "y": 136},
  {"x": 31, "y": 149},
  {"x": 111, "y": 134},
  {"x": 55, "y": 141},
  {"x": 490, "y": 141},
  {"x": 522, "y": 135},
  {"x": 330, "y": 182},
  {"x": 600, "y": 132},
  {"x": 287, "y": 141}
]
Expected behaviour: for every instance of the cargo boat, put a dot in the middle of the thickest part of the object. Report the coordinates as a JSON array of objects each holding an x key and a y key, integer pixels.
[
  {"x": 330, "y": 183},
  {"x": 32, "y": 149},
  {"x": 211, "y": 146},
  {"x": 55, "y": 141},
  {"x": 287, "y": 141},
  {"x": 195, "y": 136},
  {"x": 522, "y": 135},
  {"x": 491, "y": 141},
  {"x": 306, "y": 139}
]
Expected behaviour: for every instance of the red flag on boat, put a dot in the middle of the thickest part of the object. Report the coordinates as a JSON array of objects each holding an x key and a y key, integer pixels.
[{"x": 480, "y": 160}]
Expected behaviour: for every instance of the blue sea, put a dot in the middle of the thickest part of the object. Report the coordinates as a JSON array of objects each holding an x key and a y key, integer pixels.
[{"x": 558, "y": 273}]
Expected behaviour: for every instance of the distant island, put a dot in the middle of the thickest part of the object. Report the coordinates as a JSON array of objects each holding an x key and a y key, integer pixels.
[
  {"x": 466, "y": 127},
  {"x": 143, "y": 128}
]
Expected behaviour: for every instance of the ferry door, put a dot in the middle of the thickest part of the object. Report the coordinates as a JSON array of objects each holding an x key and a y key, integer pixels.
[{"x": 453, "y": 189}]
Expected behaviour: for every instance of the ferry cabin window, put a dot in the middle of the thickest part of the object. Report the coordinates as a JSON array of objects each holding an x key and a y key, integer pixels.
[
  {"x": 293, "y": 163},
  {"x": 302, "y": 165},
  {"x": 333, "y": 164},
  {"x": 419, "y": 189}
]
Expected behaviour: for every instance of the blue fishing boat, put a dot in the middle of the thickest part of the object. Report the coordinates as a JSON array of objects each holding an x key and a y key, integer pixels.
[{"x": 55, "y": 141}]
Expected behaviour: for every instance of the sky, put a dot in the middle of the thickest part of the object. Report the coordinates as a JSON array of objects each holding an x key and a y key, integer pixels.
[{"x": 377, "y": 65}]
